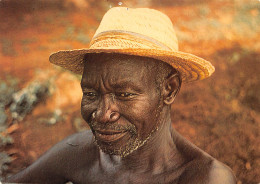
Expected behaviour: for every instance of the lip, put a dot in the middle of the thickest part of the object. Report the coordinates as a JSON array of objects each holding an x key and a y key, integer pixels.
[{"x": 109, "y": 135}]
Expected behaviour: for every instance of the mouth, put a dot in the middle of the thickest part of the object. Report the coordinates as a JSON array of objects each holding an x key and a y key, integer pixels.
[{"x": 109, "y": 135}]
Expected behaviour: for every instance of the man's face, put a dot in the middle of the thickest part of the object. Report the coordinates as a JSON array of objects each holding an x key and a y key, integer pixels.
[{"x": 120, "y": 101}]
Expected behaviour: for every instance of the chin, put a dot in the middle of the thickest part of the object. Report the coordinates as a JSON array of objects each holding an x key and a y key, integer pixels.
[
  {"x": 122, "y": 150},
  {"x": 120, "y": 145},
  {"x": 124, "y": 146}
]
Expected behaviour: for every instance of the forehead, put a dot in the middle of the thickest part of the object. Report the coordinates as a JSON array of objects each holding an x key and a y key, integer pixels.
[{"x": 114, "y": 68}]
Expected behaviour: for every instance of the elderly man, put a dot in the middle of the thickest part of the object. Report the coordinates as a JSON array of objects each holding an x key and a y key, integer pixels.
[{"x": 131, "y": 75}]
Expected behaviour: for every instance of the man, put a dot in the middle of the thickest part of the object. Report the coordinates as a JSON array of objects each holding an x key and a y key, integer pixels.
[{"x": 131, "y": 75}]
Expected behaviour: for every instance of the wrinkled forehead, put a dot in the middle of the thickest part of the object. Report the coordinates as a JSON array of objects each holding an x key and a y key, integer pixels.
[{"x": 116, "y": 67}]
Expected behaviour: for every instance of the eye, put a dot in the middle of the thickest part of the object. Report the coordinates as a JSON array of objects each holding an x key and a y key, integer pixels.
[
  {"x": 90, "y": 95},
  {"x": 125, "y": 95}
]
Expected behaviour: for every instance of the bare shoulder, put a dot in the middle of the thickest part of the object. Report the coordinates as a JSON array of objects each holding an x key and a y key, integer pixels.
[
  {"x": 200, "y": 167},
  {"x": 73, "y": 144},
  {"x": 78, "y": 145},
  {"x": 53, "y": 166},
  {"x": 220, "y": 173},
  {"x": 77, "y": 149},
  {"x": 207, "y": 170},
  {"x": 79, "y": 139}
]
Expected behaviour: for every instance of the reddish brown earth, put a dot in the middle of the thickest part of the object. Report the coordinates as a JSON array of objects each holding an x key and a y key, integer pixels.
[{"x": 220, "y": 114}]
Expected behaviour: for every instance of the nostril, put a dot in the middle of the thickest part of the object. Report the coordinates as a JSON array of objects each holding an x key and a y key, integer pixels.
[{"x": 114, "y": 116}]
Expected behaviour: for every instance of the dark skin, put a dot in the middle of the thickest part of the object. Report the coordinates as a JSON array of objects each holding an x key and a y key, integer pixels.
[{"x": 131, "y": 138}]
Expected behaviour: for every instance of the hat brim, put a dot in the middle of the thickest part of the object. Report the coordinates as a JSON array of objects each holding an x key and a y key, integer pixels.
[{"x": 190, "y": 67}]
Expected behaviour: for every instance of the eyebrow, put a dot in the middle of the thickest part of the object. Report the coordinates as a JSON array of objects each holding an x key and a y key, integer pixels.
[
  {"x": 121, "y": 85},
  {"x": 85, "y": 84}
]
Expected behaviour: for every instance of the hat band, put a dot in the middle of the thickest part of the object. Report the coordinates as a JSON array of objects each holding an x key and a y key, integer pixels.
[{"x": 126, "y": 39}]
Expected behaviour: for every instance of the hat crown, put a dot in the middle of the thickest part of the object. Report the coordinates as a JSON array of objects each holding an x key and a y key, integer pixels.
[
  {"x": 140, "y": 32},
  {"x": 147, "y": 27}
]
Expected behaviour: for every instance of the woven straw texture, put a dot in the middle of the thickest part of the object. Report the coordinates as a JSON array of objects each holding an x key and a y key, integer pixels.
[{"x": 140, "y": 32}]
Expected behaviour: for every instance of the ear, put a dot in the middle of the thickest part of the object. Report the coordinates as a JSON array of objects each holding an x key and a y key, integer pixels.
[{"x": 171, "y": 87}]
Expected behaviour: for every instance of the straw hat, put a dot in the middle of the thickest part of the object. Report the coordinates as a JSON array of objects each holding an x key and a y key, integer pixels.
[{"x": 140, "y": 32}]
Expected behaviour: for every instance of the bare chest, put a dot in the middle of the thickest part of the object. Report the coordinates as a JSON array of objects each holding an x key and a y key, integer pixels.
[{"x": 117, "y": 175}]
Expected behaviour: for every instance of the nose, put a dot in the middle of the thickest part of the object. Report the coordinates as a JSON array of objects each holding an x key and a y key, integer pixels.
[{"x": 107, "y": 111}]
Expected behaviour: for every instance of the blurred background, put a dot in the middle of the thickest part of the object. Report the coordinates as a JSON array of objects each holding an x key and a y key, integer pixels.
[{"x": 40, "y": 103}]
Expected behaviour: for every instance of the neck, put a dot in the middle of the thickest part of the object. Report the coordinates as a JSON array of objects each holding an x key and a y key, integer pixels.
[{"x": 158, "y": 154}]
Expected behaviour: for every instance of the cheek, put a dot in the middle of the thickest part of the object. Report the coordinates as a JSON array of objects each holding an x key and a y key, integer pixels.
[
  {"x": 141, "y": 113},
  {"x": 133, "y": 109},
  {"x": 86, "y": 110},
  {"x": 146, "y": 107}
]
